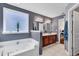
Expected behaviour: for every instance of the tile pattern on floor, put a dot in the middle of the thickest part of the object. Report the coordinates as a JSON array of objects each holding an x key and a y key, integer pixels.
[{"x": 54, "y": 50}]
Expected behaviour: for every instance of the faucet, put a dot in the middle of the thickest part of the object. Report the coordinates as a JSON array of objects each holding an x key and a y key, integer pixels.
[{"x": 17, "y": 42}]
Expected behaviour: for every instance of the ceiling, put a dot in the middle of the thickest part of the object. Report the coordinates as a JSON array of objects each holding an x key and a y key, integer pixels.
[{"x": 46, "y": 9}]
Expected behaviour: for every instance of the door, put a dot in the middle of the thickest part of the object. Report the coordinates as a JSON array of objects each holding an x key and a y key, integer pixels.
[
  {"x": 51, "y": 39},
  {"x": 61, "y": 23},
  {"x": 75, "y": 32},
  {"x": 45, "y": 40}
]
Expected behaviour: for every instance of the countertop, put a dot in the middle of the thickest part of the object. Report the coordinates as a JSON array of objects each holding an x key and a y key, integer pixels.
[{"x": 46, "y": 34}]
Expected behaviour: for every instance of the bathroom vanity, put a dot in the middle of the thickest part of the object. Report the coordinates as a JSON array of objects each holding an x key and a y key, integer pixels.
[
  {"x": 49, "y": 38},
  {"x": 22, "y": 47}
]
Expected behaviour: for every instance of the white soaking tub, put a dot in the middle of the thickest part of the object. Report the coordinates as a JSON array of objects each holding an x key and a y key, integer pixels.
[{"x": 22, "y": 47}]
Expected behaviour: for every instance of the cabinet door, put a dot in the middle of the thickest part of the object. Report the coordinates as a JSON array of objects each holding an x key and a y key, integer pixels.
[
  {"x": 45, "y": 40},
  {"x": 54, "y": 38},
  {"x": 51, "y": 39}
]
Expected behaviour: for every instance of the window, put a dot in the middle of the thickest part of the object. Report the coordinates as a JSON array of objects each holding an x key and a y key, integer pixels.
[{"x": 15, "y": 21}]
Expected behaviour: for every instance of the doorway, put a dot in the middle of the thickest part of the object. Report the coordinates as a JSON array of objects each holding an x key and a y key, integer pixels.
[
  {"x": 75, "y": 31},
  {"x": 61, "y": 23}
]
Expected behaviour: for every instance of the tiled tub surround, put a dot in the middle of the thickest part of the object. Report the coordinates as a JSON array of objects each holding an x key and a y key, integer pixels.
[{"x": 22, "y": 47}]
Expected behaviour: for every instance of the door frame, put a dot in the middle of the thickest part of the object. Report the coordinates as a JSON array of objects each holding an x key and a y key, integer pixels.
[
  {"x": 59, "y": 29},
  {"x": 70, "y": 29}
]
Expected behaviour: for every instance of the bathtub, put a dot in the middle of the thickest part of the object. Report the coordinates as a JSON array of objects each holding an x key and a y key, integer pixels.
[{"x": 22, "y": 47}]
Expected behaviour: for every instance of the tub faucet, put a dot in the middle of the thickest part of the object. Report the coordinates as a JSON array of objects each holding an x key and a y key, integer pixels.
[{"x": 17, "y": 42}]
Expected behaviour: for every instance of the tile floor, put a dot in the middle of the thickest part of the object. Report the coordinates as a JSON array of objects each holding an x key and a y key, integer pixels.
[{"x": 54, "y": 50}]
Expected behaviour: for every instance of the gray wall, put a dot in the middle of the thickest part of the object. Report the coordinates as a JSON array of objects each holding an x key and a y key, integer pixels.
[
  {"x": 7, "y": 37},
  {"x": 55, "y": 22},
  {"x": 54, "y": 25}
]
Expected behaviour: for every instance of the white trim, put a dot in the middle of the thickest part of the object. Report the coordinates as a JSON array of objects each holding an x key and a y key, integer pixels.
[{"x": 13, "y": 32}]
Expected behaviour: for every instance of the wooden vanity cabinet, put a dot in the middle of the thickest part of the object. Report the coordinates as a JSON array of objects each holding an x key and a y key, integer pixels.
[{"x": 49, "y": 39}]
